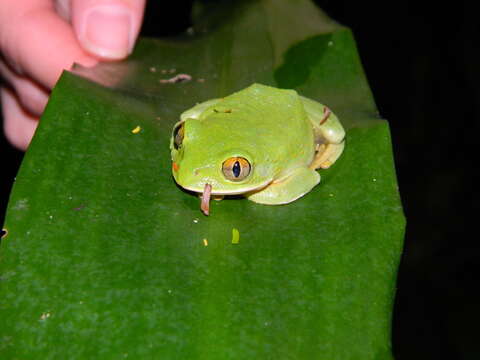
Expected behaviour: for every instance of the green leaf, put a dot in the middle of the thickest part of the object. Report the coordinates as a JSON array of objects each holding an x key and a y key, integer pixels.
[{"x": 107, "y": 258}]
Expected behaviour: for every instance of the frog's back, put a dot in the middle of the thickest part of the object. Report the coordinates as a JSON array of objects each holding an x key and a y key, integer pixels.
[
  {"x": 265, "y": 120},
  {"x": 262, "y": 106}
]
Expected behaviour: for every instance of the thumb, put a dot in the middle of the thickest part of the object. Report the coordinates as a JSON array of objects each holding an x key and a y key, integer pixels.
[{"x": 107, "y": 29}]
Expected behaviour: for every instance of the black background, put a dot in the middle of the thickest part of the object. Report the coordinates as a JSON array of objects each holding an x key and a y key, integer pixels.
[{"x": 422, "y": 63}]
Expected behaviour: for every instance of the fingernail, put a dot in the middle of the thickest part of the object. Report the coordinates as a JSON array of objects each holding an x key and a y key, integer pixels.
[{"x": 107, "y": 31}]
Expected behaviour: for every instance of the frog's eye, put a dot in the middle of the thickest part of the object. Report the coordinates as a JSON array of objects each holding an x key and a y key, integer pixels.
[
  {"x": 178, "y": 134},
  {"x": 236, "y": 168}
]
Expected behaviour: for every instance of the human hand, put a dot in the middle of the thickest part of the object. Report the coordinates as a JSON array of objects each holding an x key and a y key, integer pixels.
[{"x": 41, "y": 38}]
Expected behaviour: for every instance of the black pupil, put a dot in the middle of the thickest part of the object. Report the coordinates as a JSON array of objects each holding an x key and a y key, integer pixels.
[{"x": 236, "y": 169}]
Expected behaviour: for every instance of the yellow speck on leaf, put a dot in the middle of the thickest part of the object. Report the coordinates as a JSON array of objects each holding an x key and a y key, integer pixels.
[
  {"x": 44, "y": 316},
  {"x": 205, "y": 242},
  {"x": 136, "y": 130},
  {"x": 235, "y": 236}
]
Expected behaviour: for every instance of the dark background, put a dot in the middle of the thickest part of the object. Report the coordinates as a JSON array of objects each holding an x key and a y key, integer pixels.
[{"x": 422, "y": 63}]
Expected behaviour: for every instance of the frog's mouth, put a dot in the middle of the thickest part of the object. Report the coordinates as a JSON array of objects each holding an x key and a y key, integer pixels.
[{"x": 221, "y": 191}]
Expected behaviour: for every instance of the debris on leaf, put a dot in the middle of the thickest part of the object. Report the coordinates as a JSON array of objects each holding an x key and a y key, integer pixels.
[
  {"x": 176, "y": 79},
  {"x": 235, "y": 236},
  {"x": 205, "y": 242}
]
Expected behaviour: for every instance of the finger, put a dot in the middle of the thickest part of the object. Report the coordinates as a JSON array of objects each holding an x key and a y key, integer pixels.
[
  {"x": 37, "y": 42},
  {"x": 18, "y": 125},
  {"x": 107, "y": 28},
  {"x": 32, "y": 96},
  {"x": 62, "y": 7}
]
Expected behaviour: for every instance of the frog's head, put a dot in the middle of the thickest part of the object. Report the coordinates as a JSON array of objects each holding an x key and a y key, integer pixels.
[{"x": 203, "y": 156}]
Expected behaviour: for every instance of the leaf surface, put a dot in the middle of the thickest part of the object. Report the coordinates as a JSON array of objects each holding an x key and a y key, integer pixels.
[{"x": 107, "y": 258}]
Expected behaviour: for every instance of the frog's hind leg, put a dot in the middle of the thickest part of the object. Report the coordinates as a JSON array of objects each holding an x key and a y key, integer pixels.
[
  {"x": 329, "y": 134},
  {"x": 287, "y": 189}
]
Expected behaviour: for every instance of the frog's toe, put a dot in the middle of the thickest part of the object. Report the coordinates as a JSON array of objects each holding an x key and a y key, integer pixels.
[{"x": 326, "y": 155}]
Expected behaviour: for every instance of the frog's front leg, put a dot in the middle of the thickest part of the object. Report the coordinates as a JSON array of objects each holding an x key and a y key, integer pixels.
[
  {"x": 329, "y": 134},
  {"x": 287, "y": 189}
]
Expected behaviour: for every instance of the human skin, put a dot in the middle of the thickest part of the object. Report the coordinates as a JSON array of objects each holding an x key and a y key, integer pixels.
[{"x": 41, "y": 38}]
